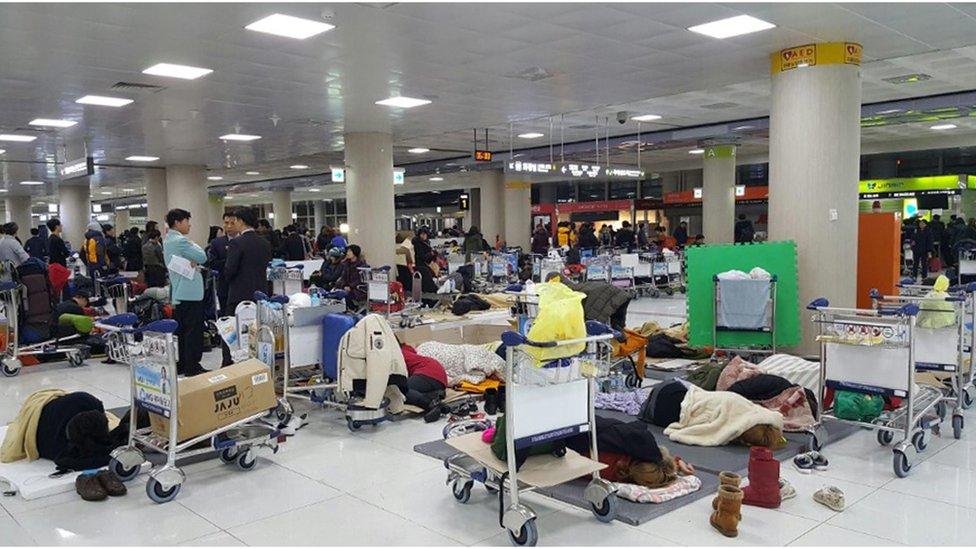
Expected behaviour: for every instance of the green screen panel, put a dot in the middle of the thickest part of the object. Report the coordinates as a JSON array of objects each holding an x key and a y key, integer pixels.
[{"x": 704, "y": 262}]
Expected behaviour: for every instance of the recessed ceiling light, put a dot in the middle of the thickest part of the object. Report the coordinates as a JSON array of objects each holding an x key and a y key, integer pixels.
[
  {"x": 403, "y": 102},
  {"x": 183, "y": 72},
  {"x": 313, "y": 190},
  {"x": 289, "y": 27},
  {"x": 31, "y": 182},
  {"x": 732, "y": 26},
  {"x": 3, "y": 190},
  {"x": 418, "y": 150},
  {"x": 908, "y": 78},
  {"x": 106, "y": 193},
  {"x": 138, "y": 158},
  {"x": 18, "y": 138},
  {"x": 944, "y": 127},
  {"x": 103, "y": 101},
  {"x": 646, "y": 117},
  {"x": 740, "y": 128},
  {"x": 2, "y": 151},
  {"x": 890, "y": 111},
  {"x": 299, "y": 167},
  {"x": 239, "y": 137},
  {"x": 437, "y": 179},
  {"x": 530, "y": 135},
  {"x": 128, "y": 190},
  {"x": 52, "y": 123},
  {"x": 214, "y": 178},
  {"x": 252, "y": 173},
  {"x": 696, "y": 151}
]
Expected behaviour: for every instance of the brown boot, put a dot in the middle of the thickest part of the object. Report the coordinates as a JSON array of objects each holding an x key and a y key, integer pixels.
[
  {"x": 89, "y": 488},
  {"x": 726, "y": 518},
  {"x": 111, "y": 483},
  {"x": 725, "y": 478}
]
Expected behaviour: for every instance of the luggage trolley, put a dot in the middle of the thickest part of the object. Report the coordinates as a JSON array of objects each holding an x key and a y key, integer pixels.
[
  {"x": 744, "y": 305},
  {"x": 286, "y": 280},
  {"x": 937, "y": 349},
  {"x": 10, "y": 346},
  {"x": 540, "y": 410},
  {"x": 115, "y": 290},
  {"x": 872, "y": 351},
  {"x": 153, "y": 381}
]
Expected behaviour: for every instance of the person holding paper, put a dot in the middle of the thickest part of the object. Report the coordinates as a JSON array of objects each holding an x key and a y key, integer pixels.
[{"x": 182, "y": 256}]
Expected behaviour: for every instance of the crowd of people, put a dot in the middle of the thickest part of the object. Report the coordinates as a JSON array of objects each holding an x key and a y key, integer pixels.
[
  {"x": 936, "y": 244},
  {"x": 586, "y": 237}
]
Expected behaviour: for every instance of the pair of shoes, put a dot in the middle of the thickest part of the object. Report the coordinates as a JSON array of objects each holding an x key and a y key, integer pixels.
[
  {"x": 786, "y": 490},
  {"x": 831, "y": 496},
  {"x": 763, "y": 488},
  {"x": 99, "y": 486},
  {"x": 807, "y": 462},
  {"x": 728, "y": 511}
]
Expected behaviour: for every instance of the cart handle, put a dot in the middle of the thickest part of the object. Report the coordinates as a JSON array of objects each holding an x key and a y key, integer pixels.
[
  {"x": 908, "y": 309},
  {"x": 594, "y": 329},
  {"x": 8, "y": 285},
  {"x": 164, "y": 326},
  {"x": 967, "y": 288},
  {"x": 121, "y": 320},
  {"x": 818, "y": 303},
  {"x": 907, "y": 281},
  {"x": 117, "y": 279},
  {"x": 513, "y": 288},
  {"x": 874, "y": 293},
  {"x": 335, "y": 294},
  {"x": 261, "y": 296}
]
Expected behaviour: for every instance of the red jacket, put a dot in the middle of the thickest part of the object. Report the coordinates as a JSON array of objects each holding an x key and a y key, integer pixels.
[{"x": 423, "y": 365}]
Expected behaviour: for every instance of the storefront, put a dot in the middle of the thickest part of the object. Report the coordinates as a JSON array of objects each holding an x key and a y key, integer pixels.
[
  {"x": 909, "y": 196},
  {"x": 687, "y": 206}
]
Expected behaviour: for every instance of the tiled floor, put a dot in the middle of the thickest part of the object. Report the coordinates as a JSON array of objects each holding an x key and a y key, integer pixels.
[{"x": 328, "y": 486}]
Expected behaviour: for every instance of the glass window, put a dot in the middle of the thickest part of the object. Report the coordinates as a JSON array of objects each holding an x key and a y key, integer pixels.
[
  {"x": 565, "y": 192},
  {"x": 623, "y": 189},
  {"x": 592, "y": 191},
  {"x": 652, "y": 188}
]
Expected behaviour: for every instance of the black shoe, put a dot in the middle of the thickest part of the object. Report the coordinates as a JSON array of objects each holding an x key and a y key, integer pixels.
[
  {"x": 432, "y": 415},
  {"x": 501, "y": 400},
  {"x": 491, "y": 401}
]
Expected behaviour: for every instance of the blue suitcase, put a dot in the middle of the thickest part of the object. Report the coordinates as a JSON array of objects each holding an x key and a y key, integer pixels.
[{"x": 334, "y": 326}]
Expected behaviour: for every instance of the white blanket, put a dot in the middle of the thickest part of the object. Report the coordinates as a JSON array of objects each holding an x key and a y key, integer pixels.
[
  {"x": 714, "y": 418},
  {"x": 31, "y": 479}
]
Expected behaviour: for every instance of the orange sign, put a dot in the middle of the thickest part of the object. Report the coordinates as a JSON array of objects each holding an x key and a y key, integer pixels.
[
  {"x": 829, "y": 53},
  {"x": 801, "y": 55},
  {"x": 852, "y": 53},
  {"x": 482, "y": 156}
]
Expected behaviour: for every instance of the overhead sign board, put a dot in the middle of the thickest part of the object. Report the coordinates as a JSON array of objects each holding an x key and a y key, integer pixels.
[
  {"x": 575, "y": 170},
  {"x": 79, "y": 167},
  {"x": 483, "y": 156},
  {"x": 464, "y": 202},
  {"x": 909, "y": 186}
]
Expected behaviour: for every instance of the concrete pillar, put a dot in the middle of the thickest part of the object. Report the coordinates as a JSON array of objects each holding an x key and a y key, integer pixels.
[
  {"x": 718, "y": 194},
  {"x": 369, "y": 195},
  {"x": 186, "y": 188},
  {"x": 215, "y": 207},
  {"x": 475, "y": 208},
  {"x": 156, "y": 198},
  {"x": 492, "y": 205},
  {"x": 281, "y": 206},
  {"x": 121, "y": 221},
  {"x": 319, "y": 211},
  {"x": 814, "y": 167},
  {"x": 75, "y": 213},
  {"x": 18, "y": 210},
  {"x": 518, "y": 213}
]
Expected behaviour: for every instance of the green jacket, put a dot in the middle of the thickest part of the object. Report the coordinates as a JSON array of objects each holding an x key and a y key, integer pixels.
[
  {"x": 706, "y": 376},
  {"x": 182, "y": 289}
]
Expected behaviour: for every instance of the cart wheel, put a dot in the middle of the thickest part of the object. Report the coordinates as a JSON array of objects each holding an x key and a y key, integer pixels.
[
  {"x": 957, "y": 425},
  {"x": 246, "y": 460},
  {"x": 901, "y": 465},
  {"x": 919, "y": 441},
  {"x": 462, "y": 491},
  {"x": 607, "y": 511},
  {"x": 632, "y": 382},
  {"x": 527, "y": 536},
  {"x": 10, "y": 367},
  {"x": 125, "y": 475},
  {"x": 156, "y": 493},
  {"x": 885, "y": 437},
  {"x": 228, "y": 455},
  {"x": 669, "y": 291},
  {"x": 76, "y": 359},
  {"x": 352, "y": 424},
  {"x": 967, "y": 400},
  {"x": 559, "y": 452},
  {"x": 941, "y": 410},
  {"x": 655, "y": 293},
  {"x": 682, "y": 289}
]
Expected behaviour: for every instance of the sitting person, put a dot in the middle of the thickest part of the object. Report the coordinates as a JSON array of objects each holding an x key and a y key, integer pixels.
[
  {"x": 352, "y": 279},
  {"x": 71, "y": 317}
]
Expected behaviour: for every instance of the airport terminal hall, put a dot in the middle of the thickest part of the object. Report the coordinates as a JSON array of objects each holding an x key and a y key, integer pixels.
[{"x": 427, "y": 274}]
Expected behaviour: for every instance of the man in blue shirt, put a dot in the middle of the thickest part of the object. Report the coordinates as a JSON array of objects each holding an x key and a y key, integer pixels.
[{"x": 186, "y": 293}]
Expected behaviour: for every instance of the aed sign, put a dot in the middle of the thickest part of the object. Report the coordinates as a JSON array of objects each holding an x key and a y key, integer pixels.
[
  {"x": 792, "y": 58},
  {"x": 482, "y": 156}
]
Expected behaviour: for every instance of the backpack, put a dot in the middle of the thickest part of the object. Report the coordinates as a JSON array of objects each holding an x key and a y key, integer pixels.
[
  {"x": 91, "y": 252},
  {"x": 147, "y": 309}
]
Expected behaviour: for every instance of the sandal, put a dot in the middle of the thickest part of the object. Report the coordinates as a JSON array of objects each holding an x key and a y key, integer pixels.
[
  {"x": 683, "y": 466},
  {"x": 830, "y": 496},
  {"x": 786, "y": 490}
]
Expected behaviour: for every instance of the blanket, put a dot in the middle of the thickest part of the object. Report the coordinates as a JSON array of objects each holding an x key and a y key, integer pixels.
[
  {"x": 470, "y": 363},
  {"x": 628, "y": 402},
  {"x": 715, "y": 418},
  {"x": 792, "y": 404},
  {"x": 736, "y": 370},
  {"x": 20, "y": 439},
  {"x": 642, "y": 494}
]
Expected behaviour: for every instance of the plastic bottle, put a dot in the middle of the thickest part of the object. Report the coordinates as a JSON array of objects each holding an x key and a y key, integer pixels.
[{"x": 313, "y": 292}]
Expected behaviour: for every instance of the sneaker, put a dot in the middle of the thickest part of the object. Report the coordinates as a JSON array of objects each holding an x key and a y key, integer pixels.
[
  {"x": 786, "y": 490},
  {"x": 820, "y": 463},
  {"x": 89, "y": 488},
  {"x": 804, "y": 463},
  {"x": 111, "y": 483},
  {"x": 830, "y": 496}
]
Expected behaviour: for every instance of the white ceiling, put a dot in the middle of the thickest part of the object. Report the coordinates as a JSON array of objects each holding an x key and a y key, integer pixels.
[{"x": 466, "y": 58}]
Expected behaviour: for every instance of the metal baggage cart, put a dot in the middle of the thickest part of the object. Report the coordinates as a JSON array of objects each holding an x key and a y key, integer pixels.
[
  {"x": 756, "y": 315},
  {"x": 153, "y": 382},
  {"x": 114, "y": 290},
  {"x": 286, "y": 280},
  {"x": 872, "y": 351},
  {"x": 11, "y": 296},
  {"x": 546, "y": 409}
]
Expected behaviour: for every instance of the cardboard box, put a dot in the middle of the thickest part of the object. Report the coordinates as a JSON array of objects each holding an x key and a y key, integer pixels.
[
  {"x": 216, "y": 399},
  {"x": 474, "y": 334}
]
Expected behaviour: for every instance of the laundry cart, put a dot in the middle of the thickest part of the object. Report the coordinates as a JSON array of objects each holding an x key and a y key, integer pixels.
[
  {"x": 872, "y": 352},
  {"x": 744, "y": 305},
  {"x": 543, "y": 405},
  {"x": 153, "y": 383}
]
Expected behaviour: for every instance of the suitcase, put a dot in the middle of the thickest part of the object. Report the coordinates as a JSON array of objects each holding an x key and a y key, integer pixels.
[
  {"x": 397, "y": 299},
  {"x": 334, "y": 326}
]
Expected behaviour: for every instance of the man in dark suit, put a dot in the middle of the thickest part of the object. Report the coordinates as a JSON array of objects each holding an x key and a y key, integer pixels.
[{"x": 246, "y": 270}]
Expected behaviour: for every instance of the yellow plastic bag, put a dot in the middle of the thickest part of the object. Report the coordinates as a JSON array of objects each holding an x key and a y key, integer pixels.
[
  {"x": 560, "y": 317},
  {"x": 936, "y": 312}
]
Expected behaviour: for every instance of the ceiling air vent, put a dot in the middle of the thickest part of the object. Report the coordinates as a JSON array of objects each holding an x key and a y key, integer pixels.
[
  {"x": 136, "y": 87},
  {"x": 907, "y": 78},
  {"x": 722, "y": 105}
]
